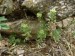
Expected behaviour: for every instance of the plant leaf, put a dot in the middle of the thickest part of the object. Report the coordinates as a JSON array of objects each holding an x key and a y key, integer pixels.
[
  {"x": 12, "y": 39},
  {"x": 56, "y": 34},
  {"x": 39, "y": 14},
  {"x": 2, "y": 18},
  {"x": 4, "y": 26}
]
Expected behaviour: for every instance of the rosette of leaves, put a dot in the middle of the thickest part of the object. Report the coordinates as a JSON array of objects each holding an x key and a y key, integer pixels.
[
  {"x": 26, "y": 31},
  {"x": 56, "y": 34},
  {"x": 39, "y": 16},
  {"x": 52, "y": 15},
  {"x": 41, "y": 35}
]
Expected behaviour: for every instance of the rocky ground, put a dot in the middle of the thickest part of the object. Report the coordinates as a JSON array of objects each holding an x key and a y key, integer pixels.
[
  {"x": 65, "y": 47},
  {"x": 17, "y": 11}
]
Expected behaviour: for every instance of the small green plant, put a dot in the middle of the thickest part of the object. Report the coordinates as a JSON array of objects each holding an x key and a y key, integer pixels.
[
  {"x": 39, "y": 16},
  {"x": 41, "y": 35},
  {"x": 26, "y": 30},
  {"x": 52, "y": 15},
  {"x": 14, "y": 40},
  {"x": 42, "y": 31},
  {"x": 56, "y": 34},
  {"x": 3, "y": 25}
]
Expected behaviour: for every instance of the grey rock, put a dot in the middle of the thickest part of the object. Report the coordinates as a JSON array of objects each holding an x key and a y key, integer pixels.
[
  {"x": 65, "y": 8},
  {"x": 20, "y": 52},
  {"x": 6, "y": 7}
]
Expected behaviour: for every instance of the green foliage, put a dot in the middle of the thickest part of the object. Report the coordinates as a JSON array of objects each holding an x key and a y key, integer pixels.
[
  {"x": 56, "y": 34},
  {"x": 26, "y": 30},
  {"x": 2, "y": 19},
  {"x": 41, "y": 35},
  {"x": 52, "y": 15},
  {"x": 3, "y": 25},
  {"x": 14, "y": 40},
  {"x": 42, "y": 32},
  {"x": 43, "y": 25},
  {"x": 39, "y": 16}
]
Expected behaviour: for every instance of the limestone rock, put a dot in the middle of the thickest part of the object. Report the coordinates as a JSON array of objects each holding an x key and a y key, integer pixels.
[{"x": 64, "y": 8}]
